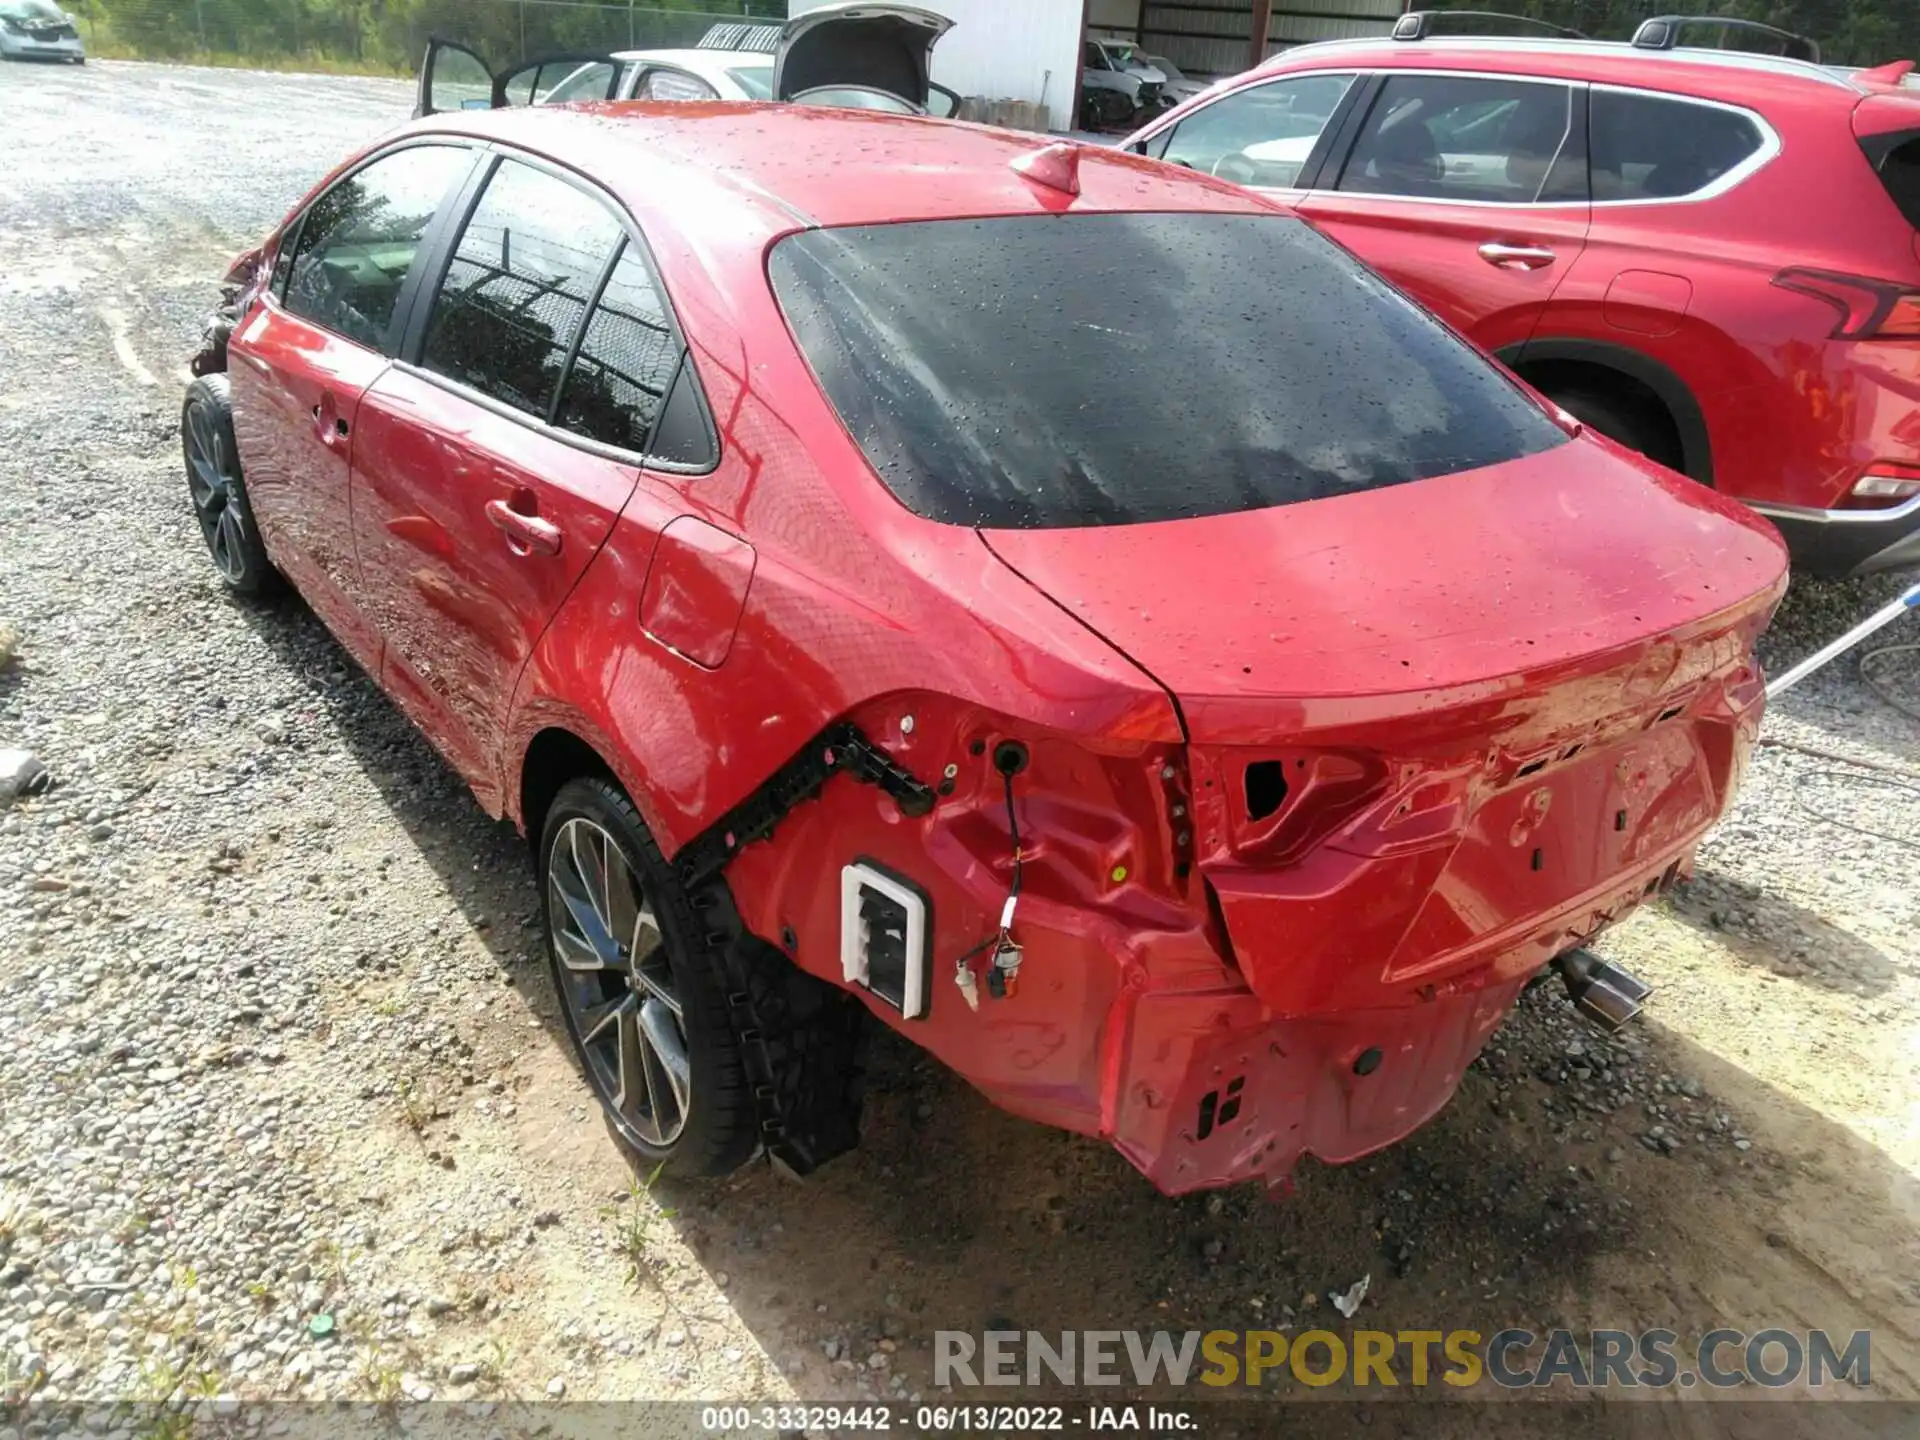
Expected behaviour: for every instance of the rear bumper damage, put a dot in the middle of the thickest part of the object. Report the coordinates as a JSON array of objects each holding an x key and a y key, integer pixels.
[{"x": 1212, "y": 1089}]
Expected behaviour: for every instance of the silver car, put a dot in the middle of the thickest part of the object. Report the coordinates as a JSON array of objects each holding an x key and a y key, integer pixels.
[
  {"x": 856, "y": 54},
  {"x": 39, "y": 30}
]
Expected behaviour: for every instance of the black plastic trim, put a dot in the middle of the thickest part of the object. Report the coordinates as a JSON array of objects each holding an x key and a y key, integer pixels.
[{"x": 840, "y": 749}]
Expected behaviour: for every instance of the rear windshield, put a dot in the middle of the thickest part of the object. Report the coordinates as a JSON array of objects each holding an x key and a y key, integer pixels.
[{"x": 1050, "y": 371}]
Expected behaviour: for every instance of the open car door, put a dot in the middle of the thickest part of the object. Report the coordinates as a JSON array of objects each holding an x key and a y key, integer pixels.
[
  {"x": 856, "y": 53},
  {"x": 454, "y": 77}
]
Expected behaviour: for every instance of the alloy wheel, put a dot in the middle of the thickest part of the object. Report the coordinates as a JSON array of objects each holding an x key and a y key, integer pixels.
[
  {"x": 618, "y": 984},
  {"x": 215, "y": 489}
]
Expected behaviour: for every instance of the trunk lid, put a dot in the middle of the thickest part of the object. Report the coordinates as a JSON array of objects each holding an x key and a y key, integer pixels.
[
  {"x": 1393, "y": 601},
  {"x": 859, "y": 46},
  {"x": 1443, "y": 727}
]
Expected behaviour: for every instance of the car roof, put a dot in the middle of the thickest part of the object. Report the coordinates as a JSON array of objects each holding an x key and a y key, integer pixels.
[
  {"x": 1734, "y": 76},
  {"x": 814, "y": 165},
  {"x": 701, "y": 60}
]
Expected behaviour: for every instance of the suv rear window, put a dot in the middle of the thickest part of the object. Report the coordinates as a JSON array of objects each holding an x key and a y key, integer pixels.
[
  {"x": 1649, "y": 147},
  {"x": 1053, "y": 371},
  {"x": 1896, "y": 158}
]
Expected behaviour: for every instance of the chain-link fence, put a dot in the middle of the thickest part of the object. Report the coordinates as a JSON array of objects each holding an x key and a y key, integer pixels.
[{"x": 391, "y": 35}]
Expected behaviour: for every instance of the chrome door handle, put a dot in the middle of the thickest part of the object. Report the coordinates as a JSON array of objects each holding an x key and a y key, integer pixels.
[
  {"x": 1517, "y": 257},
  {"x": 526, "y": 534}
]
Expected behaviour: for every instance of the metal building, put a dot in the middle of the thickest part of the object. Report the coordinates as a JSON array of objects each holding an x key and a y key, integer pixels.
[
  {"x": 1223, "y": 37},
  {"x": 1031, "y": 49}
]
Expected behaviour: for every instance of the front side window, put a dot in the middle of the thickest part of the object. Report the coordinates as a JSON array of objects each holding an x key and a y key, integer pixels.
[
  {"x": 518, "y": 287},
  {"x": 592, "y": 81},
  {"x": 1099, "y": 369},
  {"x": 755, "y": 81},
  {"x": 457, "y": 79},
  {"x": 1448, "y": 138},
  {"x": 1093, "y": 57},
  {"x": 1647, "y": 147},
  {"x": 673, "y": 85},
  {"x": 626, "y": 361},
  {"x": 359, "y": 240},
  {"x": 1260, "y": 136}
]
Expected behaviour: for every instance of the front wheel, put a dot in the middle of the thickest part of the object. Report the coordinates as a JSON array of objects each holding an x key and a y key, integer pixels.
[
  {"x": 218, "y": 492},
  {"x": 640, "y": 987}
]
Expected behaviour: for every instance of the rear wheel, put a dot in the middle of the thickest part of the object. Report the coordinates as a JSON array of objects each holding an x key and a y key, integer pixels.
[
  {"x": 640, "y": 988},
  {"x": 218, "y": 492},
  {"x": 1637, "y": 423}
]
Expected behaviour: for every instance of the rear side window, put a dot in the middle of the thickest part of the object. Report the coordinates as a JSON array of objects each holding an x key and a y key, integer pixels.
[
  {"x": 1445, "y": 138},
  {"x": 518, "y": 287},
  {"x": 1259, "y": 136},
  {"x": 1896, "y": 159},
  {"x": 673, "y": 85},
  {"x": 626, "y": 362},
  {"x": 1052, "y": 371},
  {"x": 358, "y": 241},
  {"x": 1649, "y": 147}
]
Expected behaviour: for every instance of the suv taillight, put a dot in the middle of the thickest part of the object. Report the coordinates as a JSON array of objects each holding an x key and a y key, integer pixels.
[{"x": 1880, "y": 309}]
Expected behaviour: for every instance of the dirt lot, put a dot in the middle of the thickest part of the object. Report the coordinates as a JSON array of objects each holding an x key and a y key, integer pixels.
[{"x": 285, "y": 1108}]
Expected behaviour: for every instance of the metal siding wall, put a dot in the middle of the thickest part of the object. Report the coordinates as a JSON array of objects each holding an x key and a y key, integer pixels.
[
  {"x": 1005, "y": 50},
  {"x": 1209, "y": 37}
]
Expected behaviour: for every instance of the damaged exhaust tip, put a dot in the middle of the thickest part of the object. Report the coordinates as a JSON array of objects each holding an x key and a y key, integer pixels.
[{"x": 1601, "y": 990}]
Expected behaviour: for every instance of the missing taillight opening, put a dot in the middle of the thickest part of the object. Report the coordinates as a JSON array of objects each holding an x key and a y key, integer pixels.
[{"x": 1266, "y": 788}]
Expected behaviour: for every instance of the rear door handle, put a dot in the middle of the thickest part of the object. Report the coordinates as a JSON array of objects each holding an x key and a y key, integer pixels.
[
  {"x": 329, "y": 426},
  {"x": 526, "y": 534},
  {"x": 1517, "y": 257}
]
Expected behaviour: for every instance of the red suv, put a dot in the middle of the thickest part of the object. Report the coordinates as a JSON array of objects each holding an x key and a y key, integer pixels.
[{"x": 1707, "y": 255}]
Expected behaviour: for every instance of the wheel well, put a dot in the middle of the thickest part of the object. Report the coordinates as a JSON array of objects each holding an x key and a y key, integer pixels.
[
  {"x": 1557, "y": 376},
  {"x": 553, "y": 758},
  {"x": 1637, "y": 381}
]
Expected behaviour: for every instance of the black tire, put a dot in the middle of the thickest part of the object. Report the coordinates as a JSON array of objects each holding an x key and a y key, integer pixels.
[
  {"x": 719, "y": 1128},
  {"x": 1634, "y": 422},
  {"x": 218, "y": 492}
]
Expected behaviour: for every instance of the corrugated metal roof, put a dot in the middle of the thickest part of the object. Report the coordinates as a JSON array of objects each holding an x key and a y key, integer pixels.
[{"x": 762, "y": 38}]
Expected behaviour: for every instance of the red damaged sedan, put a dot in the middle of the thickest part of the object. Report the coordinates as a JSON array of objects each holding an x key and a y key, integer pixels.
[{"x": 1057, "y": 603}]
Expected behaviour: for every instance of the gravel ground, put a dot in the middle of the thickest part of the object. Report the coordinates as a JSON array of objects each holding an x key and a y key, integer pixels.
[{"x": 284, "y": 1105}]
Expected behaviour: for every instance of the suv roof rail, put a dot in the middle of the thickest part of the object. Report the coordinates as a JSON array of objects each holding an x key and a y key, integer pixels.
[
  {"x": 741, "y": 37},
  {"x": 1419, "y": 24},
  {"x": 1663, "y": 33}
]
